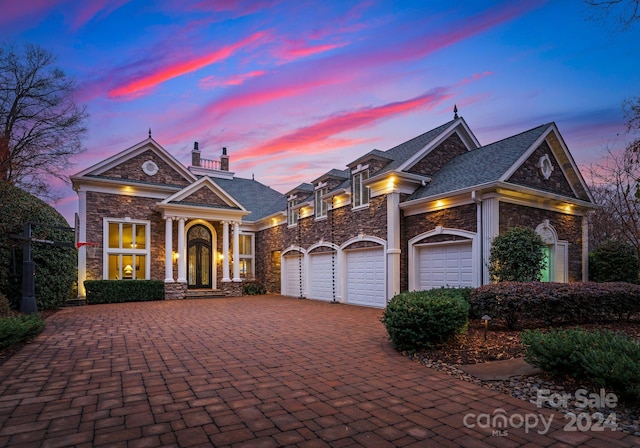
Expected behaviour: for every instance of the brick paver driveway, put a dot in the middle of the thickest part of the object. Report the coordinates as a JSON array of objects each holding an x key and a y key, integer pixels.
[{"x": 257, "y": 371}]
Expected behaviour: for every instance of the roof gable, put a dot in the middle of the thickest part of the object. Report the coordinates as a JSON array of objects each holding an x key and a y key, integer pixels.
[
  {"x": 145, "y": 162},
  {"x": 204, "y": 193}
]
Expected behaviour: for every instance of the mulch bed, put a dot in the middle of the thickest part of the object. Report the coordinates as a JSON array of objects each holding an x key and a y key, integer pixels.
[{"x": 502, "y": 343}]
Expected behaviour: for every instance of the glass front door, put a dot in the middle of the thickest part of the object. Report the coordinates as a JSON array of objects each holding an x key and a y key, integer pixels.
[{"x": 199, "y": 253}]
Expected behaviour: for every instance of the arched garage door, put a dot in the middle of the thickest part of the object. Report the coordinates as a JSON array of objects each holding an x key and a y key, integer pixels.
[
  {"x": 366, "y": 277},
  {"x": 445, "y": 265},
  {"x": 293, "y": 275},
  {"x": 321, "y": 268}
]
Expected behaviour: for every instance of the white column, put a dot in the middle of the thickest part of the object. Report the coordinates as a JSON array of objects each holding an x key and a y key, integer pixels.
[
  {"x": 225, "y": 252},
  {"x": 168, "y": 250},
  {"x": 182, "y": 256},
  {"x": 490, "y": 229},
  {"x": 393, "y": 245},
  {"x": 236, "y": 252},
  {"x": 82, "y": 237}
]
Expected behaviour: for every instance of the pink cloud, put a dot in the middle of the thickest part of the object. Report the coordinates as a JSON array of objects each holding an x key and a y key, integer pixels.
[
  {"x": 141, "y": 85},
  {"x": 14, "y": 11},
  {"x": 211, "y": 82},
  {"x": 318, "y": 133},
  {"x": 89, "y": 10},
  {"x": 293, "y": 50}
]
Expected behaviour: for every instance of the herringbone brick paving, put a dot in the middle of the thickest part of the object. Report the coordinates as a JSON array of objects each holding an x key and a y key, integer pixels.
[{"x": 262, "y": 371}]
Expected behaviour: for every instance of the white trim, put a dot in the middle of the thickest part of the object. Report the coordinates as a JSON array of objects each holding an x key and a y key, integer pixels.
[
  {"x": 106, "y": 250},
  {"x": 203, "y": 182},
  {"x": 414, "y": 245},
  {"x": 342, "y": 256},
  {"x": 283, "y": 272},
  {"x": 214, "y": 249}
]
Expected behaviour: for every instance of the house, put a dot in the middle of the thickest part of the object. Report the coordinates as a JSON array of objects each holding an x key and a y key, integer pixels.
[{"x": 417, "y": 216}]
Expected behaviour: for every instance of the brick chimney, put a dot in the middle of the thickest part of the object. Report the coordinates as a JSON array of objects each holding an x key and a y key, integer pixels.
[
  {"x": 224, "y": 160},
  {"x": 195, "y": 155}
]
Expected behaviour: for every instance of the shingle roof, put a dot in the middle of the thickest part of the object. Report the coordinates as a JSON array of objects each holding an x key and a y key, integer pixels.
[
  {"x": 480, "y": 166},
  {"x": 261, "y": 200},
  {"x": 404, "y": 151}
]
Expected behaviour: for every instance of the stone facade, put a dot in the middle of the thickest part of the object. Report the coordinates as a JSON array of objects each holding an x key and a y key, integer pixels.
[
  {"x": 439, "y": 156},
  {"x": 132, "y": 170},
  {"x": 529, "y": 174},
  {"x": 175, "y": 291},
  {"x": 568, "y": 228}
]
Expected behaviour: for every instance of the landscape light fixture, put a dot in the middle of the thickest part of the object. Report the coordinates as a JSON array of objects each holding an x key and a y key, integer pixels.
[{"x": 486, "y": 320}]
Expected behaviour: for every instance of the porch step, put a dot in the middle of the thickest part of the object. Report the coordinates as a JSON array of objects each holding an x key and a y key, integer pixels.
[
  {"x": 204, "y": 294},
  {"x": 75, "y": 302}
]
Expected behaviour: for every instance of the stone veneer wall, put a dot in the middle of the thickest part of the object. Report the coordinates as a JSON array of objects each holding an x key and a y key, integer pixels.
[
  {"x": 439, "y": 156},
  {"x": 347, "y": 224},
  {"x": 462, "y": 217},
  {"x": 568, "y": 228},
  {"x": 104, "y": 205},
  {"x": 529, "y": 174},
  {"x": 173, "y": 291}
]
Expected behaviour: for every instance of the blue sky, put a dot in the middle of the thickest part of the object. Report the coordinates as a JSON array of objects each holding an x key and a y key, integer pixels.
[{"x": 295, "y": 88}]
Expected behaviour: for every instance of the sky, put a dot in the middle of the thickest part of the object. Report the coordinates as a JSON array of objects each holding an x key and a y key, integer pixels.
[{"x": 294, "y": 88}]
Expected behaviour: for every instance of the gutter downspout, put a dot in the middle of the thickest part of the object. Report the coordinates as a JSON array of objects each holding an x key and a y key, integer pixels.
[{"x": 478, "y": 202}]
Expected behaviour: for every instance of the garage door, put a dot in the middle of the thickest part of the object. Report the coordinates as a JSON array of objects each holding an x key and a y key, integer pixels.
[
  {"x": 293, "y": 285},
  {"x": 366, "y": 277},
  {"x": 448, "y": 265},
  {"x": 321, "y": 276}
]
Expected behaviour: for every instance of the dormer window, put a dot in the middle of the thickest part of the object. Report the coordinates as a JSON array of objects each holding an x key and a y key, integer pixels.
[
  {"x": 292, "y": 215},
  {"x": 360, "y": 192},
  {"x": 320, "y": 205}
]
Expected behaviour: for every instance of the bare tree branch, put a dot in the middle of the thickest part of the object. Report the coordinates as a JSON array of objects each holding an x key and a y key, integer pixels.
[
  {"x": 41, "y": 126},
  {"x": 625, "y": 12}
]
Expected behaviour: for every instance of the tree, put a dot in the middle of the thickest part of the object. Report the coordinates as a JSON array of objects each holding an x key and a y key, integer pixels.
[
  {"x": 517, "y": 256},
  {"x": 626, "y": 11},
  {"x": 41, "y": 126},
  {"x": 613, "y": 261},
  {"x": 55, "y": 266}
]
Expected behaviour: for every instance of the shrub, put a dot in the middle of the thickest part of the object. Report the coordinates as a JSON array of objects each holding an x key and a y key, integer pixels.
[
  {"x": 516, "y": 256},
  {"x": 5, "y": 306},
  {"x": 535, "y": 303},
  {"x": 422, "y": 319},
  {"x": 606, "y": 359},
  {"x": 254, "y": 288},
  {"x": 613, "y": 261},
  {"x": 55, "y": 266},
  {"x": 117, "y": 291},
  {"x": 18, "y": 329}
]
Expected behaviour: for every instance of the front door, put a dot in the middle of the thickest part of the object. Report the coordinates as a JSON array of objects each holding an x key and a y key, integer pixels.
[{"x": 199, "y": 257}]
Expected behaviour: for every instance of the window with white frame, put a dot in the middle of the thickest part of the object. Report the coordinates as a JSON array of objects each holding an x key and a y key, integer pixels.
[
  {"x": 245, "y": 252},
  {"x": 360, "y": 192},
  {"x": 126, "y": 254},
  {"x": 320, "y": 205},
  {"x": 292, "y": 215}
]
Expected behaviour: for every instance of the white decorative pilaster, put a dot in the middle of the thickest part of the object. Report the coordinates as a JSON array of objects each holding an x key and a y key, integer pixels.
[
  {"x": 393, "y": 245},
  {"x": 168, "y": 250},
  {"x": 82, "y": 237},
  {"x": 225, "y": 252},
  {"x": 236, "y": 252},
  {"x": 182, "y": 255},
  {"x": 490, "y": 229}
]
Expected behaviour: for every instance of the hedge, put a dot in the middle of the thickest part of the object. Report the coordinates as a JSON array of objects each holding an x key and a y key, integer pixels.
[
  {"x": 421, "y": 319},
  {"x": 16, "y": 329},
  {"x": 535, "y": 303},
  {"x": 604, "y": 358},
  {"x": 117, "y": 291}
]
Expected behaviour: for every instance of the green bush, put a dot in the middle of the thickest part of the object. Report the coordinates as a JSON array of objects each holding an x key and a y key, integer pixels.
[
  {"x": 18, "y": 329},
  {"x": 613, "y": 261},
  {"x": 254, "y": 289},
  {"x": 55, "y": 266},
  {"x": 608, "y": 360},
  {"x": 118, "y": 291},
  {"x": 535, "y": 303},
  {"x": 516, "y": 256},
  {"x": 422, "y": 319}
]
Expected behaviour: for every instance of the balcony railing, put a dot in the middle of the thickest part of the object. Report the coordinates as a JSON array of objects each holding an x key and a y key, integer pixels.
[{"x": 210, "y": 164}]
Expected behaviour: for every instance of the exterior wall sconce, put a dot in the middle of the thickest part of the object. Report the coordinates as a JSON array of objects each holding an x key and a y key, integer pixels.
[{"x": 176, "y": 256}]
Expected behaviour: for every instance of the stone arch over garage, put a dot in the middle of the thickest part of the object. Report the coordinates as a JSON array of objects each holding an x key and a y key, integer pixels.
[{"x": 444, "y": 257}]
